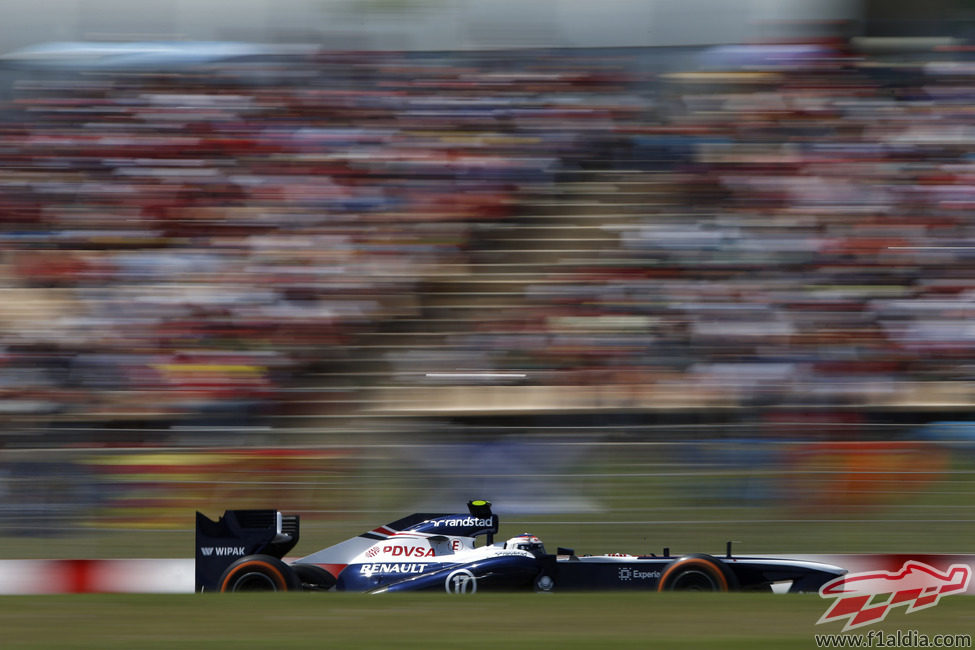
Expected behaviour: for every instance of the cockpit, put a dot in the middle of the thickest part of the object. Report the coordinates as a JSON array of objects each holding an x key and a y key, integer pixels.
[{"x": 526, "y": 542}]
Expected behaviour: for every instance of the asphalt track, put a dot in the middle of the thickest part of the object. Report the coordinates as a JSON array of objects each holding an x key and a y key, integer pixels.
[{"x": 309, "y": 620}]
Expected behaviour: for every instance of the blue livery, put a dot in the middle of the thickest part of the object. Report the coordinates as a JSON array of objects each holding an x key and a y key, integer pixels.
[{"x": 244, "y": 551}]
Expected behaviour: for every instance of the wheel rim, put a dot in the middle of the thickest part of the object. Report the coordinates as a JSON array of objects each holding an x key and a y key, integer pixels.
[
  {"x": 254, "y": 581},
  {"x": 694, "y": 580}
]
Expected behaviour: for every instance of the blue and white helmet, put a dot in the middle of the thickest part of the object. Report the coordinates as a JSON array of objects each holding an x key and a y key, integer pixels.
[{"x": 526, "y": 542}]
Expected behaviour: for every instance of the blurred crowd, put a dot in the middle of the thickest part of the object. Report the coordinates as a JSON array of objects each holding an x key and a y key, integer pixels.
[
  {"x": 228, "y": 242},
  {"x": 200, "y": 242}
]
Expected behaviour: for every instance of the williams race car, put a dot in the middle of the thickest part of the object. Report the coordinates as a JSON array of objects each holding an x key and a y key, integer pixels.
[{"x": 243, "y": 551}]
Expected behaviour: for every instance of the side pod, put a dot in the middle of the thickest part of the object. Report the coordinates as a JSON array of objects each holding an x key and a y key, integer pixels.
[{"x": 236, "y": 534}]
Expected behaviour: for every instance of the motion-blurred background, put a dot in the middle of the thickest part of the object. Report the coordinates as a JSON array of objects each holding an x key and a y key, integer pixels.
[{"x": 644, "y": 273}]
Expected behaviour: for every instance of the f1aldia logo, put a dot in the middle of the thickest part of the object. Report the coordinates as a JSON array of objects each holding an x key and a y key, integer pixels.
[{"x": 916, "y": 585}]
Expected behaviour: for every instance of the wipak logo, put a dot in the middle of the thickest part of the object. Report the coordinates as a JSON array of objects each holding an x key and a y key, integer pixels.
[
  {"x": 207, "y": 551},
  {"x": 859, "y": 596}
]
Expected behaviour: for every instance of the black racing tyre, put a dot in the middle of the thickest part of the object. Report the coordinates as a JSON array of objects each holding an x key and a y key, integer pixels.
[
  {"x": 697, "y": 572},
  {"x": 313, "y": 577},
  {"x": 259, "y": 573}
]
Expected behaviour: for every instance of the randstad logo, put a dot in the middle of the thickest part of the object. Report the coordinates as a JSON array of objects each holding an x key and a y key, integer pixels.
[
  {"x": 466, "y": 521},
  {"x": 916, "y": 585}
]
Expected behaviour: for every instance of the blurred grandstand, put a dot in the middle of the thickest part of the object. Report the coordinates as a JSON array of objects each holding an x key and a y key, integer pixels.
[
  {"x": 321, "y": 234},
  {"x": 729, "y": 250}
]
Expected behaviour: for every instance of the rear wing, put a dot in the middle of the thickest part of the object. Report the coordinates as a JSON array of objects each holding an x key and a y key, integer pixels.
[{"x": 236, "y": 534}]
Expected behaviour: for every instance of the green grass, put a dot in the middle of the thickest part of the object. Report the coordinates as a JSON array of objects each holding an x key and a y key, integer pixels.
[{"x": 590, "y": 620}]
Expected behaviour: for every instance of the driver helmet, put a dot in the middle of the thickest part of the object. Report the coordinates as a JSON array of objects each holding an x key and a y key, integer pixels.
[{"x": 526, "y": 542}]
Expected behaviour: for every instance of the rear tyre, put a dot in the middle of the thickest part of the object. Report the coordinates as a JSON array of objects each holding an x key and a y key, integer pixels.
[
  {"x": 697, "y": 573},
  {"x": 313, "y": 577},
  {"x": 258, "y": 573}
]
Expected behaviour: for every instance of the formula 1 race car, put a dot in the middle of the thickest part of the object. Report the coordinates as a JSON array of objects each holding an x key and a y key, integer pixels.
[{"x": 243, "y": 551}]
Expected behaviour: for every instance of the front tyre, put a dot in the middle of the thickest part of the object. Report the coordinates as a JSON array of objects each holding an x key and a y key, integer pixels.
[
  {"x": 697, "y": 573},
  {"x": 258, "y": 573}
]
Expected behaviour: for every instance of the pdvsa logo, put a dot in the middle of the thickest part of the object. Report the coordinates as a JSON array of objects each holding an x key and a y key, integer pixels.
[
  {"x": 916, "y": 585},
  {"x": 398, "y": 550},
  {"x": 408, "y": 551}
]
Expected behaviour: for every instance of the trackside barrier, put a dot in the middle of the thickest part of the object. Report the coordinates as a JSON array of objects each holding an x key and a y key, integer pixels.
[
  {"x": 177, "y": 575},
  {"x": 96, "y": 576}
]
